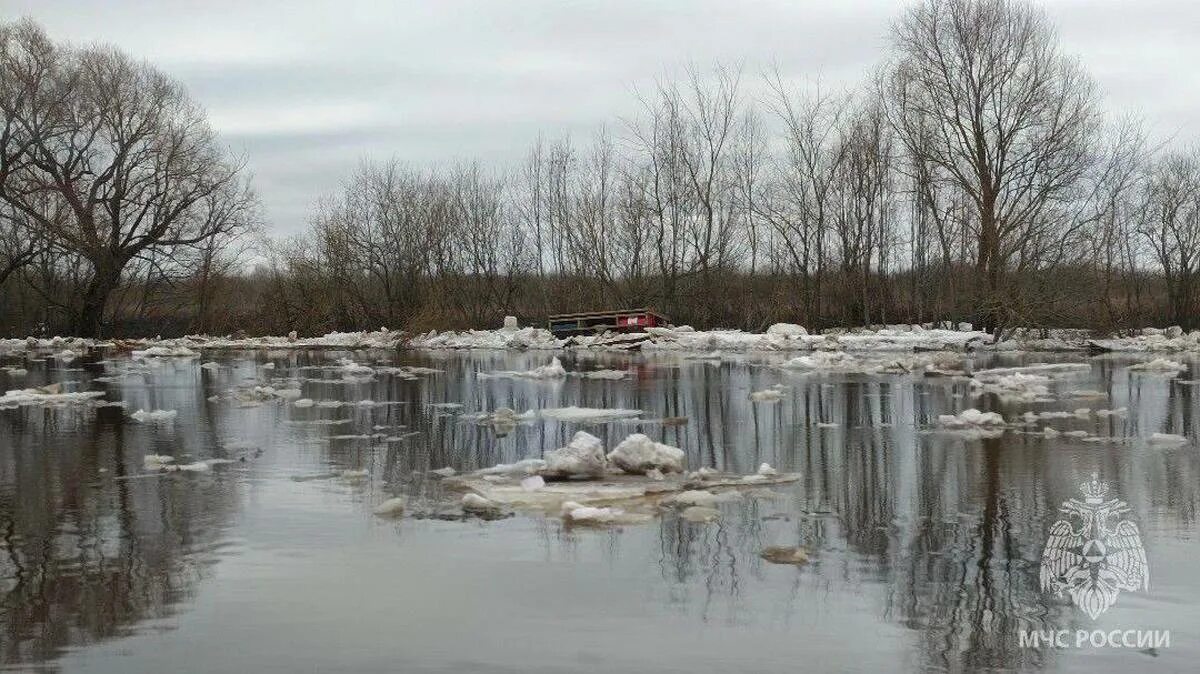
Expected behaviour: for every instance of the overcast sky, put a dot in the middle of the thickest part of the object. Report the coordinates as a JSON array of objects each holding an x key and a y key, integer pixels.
[{"x": 305, "y": 89}]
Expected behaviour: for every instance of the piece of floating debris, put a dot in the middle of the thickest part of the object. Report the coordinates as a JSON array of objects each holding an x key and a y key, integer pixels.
[
  {"x": 779, "y": 554},
  {"x": 393, "y": 507},
  {"x": 766, "y": 469},
  {"x": 444, "y": 472}
]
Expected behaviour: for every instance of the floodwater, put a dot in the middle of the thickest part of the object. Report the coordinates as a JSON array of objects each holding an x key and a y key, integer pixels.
[{"x": 924, "y": 545}]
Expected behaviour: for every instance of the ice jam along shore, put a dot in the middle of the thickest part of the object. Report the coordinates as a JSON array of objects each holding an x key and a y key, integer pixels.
[{"x": 785, "y": 337}]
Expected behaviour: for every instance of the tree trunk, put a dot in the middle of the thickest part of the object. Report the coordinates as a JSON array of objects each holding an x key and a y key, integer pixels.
[{"x": 90, "y": 322}]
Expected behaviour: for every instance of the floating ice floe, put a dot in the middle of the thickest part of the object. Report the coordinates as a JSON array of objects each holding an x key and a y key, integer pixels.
[
  {"x": 1027, "y": 383},
  {"x": 1162, "y": 365},
  {"x": 156, "y": 461},
  {"x": 603, "y": 374},
  {"x": 845, "y": 362},
  {"x": 771, "y": 395},
  {"x": 696, "y": 497},
  {"x": 166, "y": 464},
  {"x": 504, "y": 420},
  {"x": 638, "y": 454},
  {"x": 154, "y": 416},
  {"x": 478, "y": 505},
  {"x": 251, "y": 395},
  {"x": 582, "y": 457},
  {"x": 588, "y": 414},
  {"x": 393, "y": 507},
  {"x": 576, "y": 513},
  {"x": 973, "y": 423},
  {"x": 1167, "y": 439},
  {"x": 554, "y": 370},
  {"x": 50, "y": 396},
  {"x": 165, "y": 352}
]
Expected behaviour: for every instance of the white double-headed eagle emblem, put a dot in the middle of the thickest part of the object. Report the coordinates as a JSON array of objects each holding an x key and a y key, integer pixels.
[{"x": 1094, "y": 562}]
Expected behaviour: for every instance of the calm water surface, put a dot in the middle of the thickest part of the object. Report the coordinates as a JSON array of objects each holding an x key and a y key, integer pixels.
[{"x": 925, "y": 546}]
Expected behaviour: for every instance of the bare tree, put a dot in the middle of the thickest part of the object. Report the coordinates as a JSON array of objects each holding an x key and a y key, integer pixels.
[
  {"x": 1009, "y": 117},
  {"x": 1171, "y": 226},
  {"x": 110, "y": 158}
]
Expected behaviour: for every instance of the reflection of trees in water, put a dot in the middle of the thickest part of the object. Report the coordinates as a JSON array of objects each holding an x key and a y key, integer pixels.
[
  {"x": 951, "y": 529},
  {"x": 86, "y": 556}
]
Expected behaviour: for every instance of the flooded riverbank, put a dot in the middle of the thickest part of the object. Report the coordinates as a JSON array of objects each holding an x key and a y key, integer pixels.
[{"x": 923, "y": 541}]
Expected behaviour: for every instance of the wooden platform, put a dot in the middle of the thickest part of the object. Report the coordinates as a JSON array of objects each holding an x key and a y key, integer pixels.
[{"x": 594, "y": 322}]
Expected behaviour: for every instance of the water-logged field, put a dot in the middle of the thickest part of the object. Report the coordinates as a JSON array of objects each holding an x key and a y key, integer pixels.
[{"x": 924, "y": 544}]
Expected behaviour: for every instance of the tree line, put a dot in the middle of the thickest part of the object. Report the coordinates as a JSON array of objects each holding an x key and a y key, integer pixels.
[{"x": 973, "y": 176}]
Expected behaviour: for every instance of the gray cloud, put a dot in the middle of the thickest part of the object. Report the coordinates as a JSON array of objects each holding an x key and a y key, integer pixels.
[{"x": 306, "y": 89}]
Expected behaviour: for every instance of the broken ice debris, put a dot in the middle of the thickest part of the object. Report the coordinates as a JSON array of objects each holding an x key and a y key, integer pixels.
[
  {"x": 638, "y": 454},
  {"x": 393, "y": 507},
  {"x": 588, "y": 414},
  {"x": 1160, "y": 365},
  {"x": 582, "y": 457},
  {"x": 1167, "y": 439},
  {"x": 554, "y": 370},
  {"x": 969, "y": 419},
  {"x": 575, "y": 513},
  {"x": 153, "y": 416},
  {"x": 771, "y": 395},
  {"x": 474, "y": 503}
]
